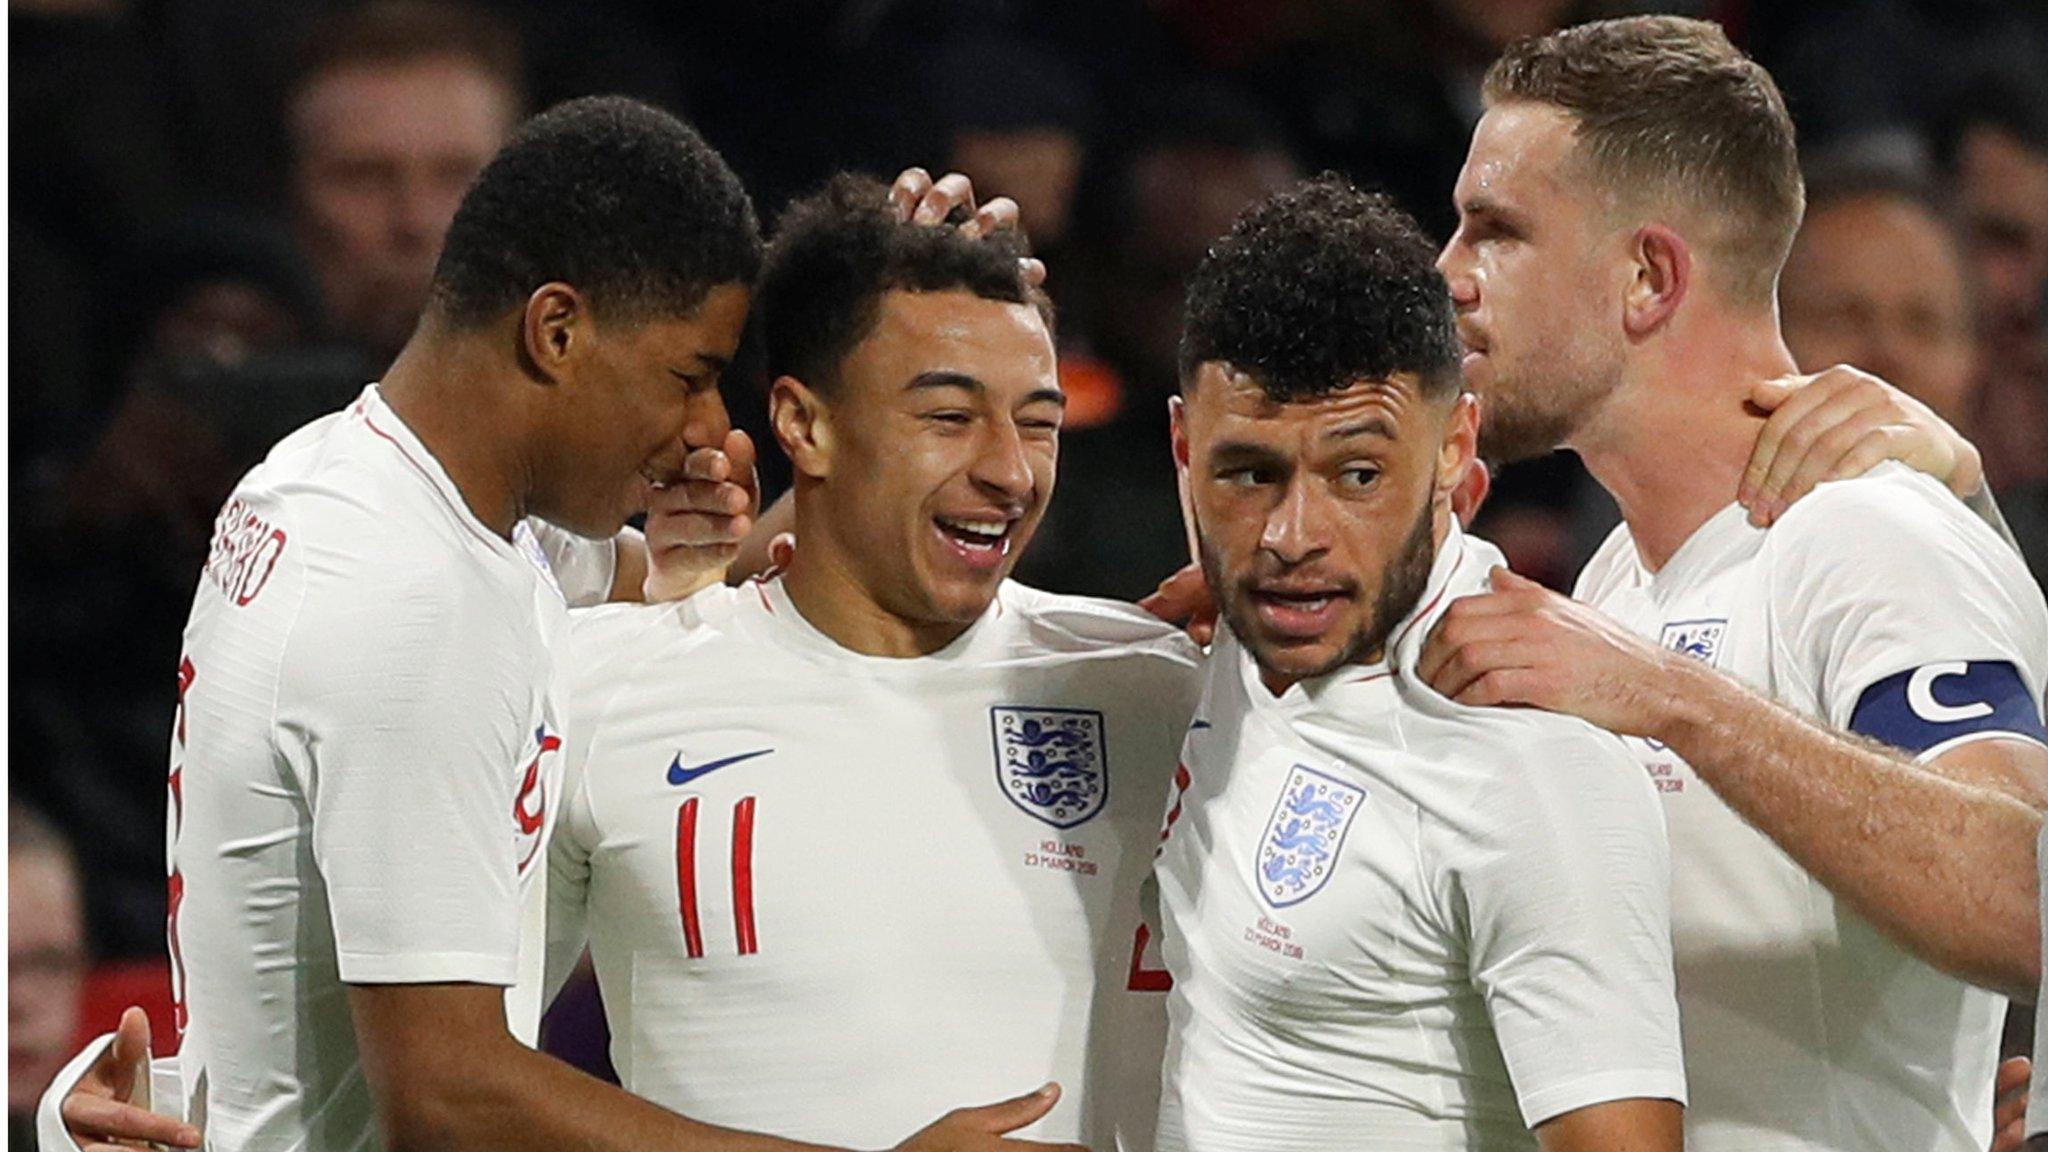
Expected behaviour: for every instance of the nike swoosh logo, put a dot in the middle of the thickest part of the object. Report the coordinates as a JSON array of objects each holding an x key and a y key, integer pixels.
[{"x": 677, "y": 774}]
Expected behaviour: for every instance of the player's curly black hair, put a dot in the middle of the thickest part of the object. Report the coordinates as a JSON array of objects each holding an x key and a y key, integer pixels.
[
  {"x": 838, "y": 250},
  {"x": 622, "y": 201},
  {"x": 1318, "y": 288}
]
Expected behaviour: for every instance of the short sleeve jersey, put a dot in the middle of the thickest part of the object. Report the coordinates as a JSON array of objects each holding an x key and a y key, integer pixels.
[
  {"x": 1879, "y": 605},
  {"x": 832, "y": 896},
  {"x": 364, "y": 771},
  {"x": 1395, "y": 922}
]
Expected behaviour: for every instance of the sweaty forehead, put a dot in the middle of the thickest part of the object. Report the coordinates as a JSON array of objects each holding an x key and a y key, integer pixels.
[{"x": 1519, "y": 149}]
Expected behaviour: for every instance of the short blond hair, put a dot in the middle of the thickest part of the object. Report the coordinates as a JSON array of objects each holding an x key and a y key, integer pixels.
[{"x": 1668, "y": 106}]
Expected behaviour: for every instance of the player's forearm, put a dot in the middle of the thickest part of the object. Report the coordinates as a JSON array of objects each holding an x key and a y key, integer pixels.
[
  {"x": 519, "y": 1100},
  {"x": 1943, "y": 867}
]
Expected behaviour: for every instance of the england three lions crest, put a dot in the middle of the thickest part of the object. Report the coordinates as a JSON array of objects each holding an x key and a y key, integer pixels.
[
  {"x": 1052, "y": 762},
  {"x": 1303, "y": 838},
  {"x": 1699, "y": 639}
]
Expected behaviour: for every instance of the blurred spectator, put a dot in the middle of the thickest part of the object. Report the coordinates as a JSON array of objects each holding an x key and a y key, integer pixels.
[
  {"x": 1385, "y": 91},
  {"x": 1997, "y": 153},
  {"x": 46, "y": 964},
  {"x": 1995, "y": 145},
  {"x": 397, "y": 107},
  {"x": 1017, "y": 116},
  {"x": 1844, "y": 300},
  {"x": 1114, "y": 526}
]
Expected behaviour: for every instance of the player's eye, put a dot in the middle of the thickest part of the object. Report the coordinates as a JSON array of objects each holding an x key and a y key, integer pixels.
[
  {"x": 1246, "y": 477},
  {"x": 1357, "y": 478},
  {"x": 950, "y": 418}
]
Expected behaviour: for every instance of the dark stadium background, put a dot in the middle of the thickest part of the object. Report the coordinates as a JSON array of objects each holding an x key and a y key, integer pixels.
[{"x": 174, "y": 305}]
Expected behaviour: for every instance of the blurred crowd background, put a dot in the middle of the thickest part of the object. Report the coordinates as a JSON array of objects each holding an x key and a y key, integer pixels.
[{"x": 224, "y": 214}]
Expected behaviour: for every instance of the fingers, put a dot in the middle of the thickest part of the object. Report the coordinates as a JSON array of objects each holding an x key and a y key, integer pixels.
[
  {"x": 98, "y": 1118},
  {"x": 1470, "y": 663},
  {"x": 1827, "y": 457},
  {"x": 708, "y": 464},
  {"x": 1179, "y": 596},
  {"x": 1008, "y": 1115},
  {"x": 739, "y": 452},
  {"x": 131, "y": 1041},
  {"x": 1501, "y": 687},
  {"x": 1444, "y": 641},
  {"x": 1802, "y": 395},
  {"x": 2010, "y": 1107},
  {"x": 1033, "y": 270},
  {"x": 1769, "y": 394},
  {"x": 1506, "y": 579},
  {"x": 1790, "y": 435},
  {"x": 950, "y": 191},
  {"x": 998, "y": 215},
  {"x": 909, "y": 188}
]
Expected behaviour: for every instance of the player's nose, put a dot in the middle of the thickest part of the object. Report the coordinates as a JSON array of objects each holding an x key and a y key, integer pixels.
[
  {"x": 1457, "y": 273},
  {"x": 705, "y": 420},
  {"x": 1002, "y": 465},
  {"x": 1293, "y": 531}
]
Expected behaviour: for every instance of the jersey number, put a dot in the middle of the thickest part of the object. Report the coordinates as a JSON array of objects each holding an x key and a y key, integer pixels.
[{"x": 742, "y": 877}]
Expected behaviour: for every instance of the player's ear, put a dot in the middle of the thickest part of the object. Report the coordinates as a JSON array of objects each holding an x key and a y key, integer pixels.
[
  {"x": 803, "y": 426},
  {"x": 1460, "y": 445},
  {"x": 1662, "y": 264},
  {"x": 552, "y": 329}
]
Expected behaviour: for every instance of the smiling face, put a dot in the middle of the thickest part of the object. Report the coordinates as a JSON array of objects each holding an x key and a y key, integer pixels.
[
  {"x": 1317, "y": 518},
  {"x": 630, "y": 402},
  {"x": 1537, "y": 275},
  {"x": 931, "y": 456}
]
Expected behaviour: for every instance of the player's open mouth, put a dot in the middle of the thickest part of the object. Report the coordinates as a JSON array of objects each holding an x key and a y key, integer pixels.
[
  {"x": 1298, "y": 613},
  {"x": 979, "y": 541}
]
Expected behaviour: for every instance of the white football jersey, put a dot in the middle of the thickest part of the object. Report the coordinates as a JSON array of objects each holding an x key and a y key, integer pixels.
[
  {"x": 832, "y": 896},
  {"x": 363, "y": 772},
  {"x": 1880, "y": 605},
  {"x": 1394, "y": 922}
]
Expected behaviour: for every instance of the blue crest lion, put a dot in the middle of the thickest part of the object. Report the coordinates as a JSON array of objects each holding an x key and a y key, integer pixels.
[
  {"x": 1052, "y": 762},
  {"x": 1305, "y": 835}
]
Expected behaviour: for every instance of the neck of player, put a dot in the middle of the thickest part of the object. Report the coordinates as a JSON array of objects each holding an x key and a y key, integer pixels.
[
  {"x": 832, "y": 597},
  {"x": 1672, "y": 440},
  {"x": 451, "y": 393}
]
